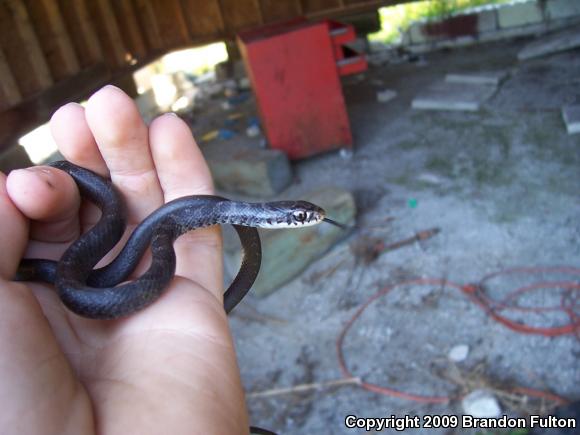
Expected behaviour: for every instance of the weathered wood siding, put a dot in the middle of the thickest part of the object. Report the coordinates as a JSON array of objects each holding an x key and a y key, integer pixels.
[{"x": 52, "y": 51}]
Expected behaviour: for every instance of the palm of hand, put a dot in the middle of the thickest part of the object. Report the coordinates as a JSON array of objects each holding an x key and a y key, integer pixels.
[{"x": 170, "y": 368}]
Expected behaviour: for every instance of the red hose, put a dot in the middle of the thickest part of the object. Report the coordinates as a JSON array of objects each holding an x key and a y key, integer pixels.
[{"x": 569, "y": 304}]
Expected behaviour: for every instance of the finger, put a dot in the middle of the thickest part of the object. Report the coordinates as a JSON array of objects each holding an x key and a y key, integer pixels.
[
  {"x": 122, "y": 138},
  {"x": 75, "y": 140},
  {"x": 181, "y": 167},
  {"x": 182, "y": 171},
  {"x": 13, "y": 233},
  {"x": 76, "y": 143},
  {"x": 50, "y": 198}
]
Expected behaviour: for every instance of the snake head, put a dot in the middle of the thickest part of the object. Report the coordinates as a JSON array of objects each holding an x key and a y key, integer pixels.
[
  {"x": 306, "y": 214},
  {"x": 290, "y": 214}
]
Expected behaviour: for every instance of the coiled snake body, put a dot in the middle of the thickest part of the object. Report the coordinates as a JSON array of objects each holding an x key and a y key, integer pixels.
[{"x": 99, "y": 293}]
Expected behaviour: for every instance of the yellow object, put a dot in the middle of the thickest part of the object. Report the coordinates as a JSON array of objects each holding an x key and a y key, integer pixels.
[
  {"x": 236, "y": 115},
  {"x": 210, "y": 135}
]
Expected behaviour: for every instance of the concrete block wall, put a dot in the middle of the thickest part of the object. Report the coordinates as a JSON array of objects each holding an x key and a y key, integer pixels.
[
  {"x": 519, "y": 14},
  {"x": 493, "y": 23},
  {"x": 558, "y": 9}
]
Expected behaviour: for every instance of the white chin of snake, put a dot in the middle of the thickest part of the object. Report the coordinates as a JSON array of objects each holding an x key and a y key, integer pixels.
[{"x": 292, "y": 225}]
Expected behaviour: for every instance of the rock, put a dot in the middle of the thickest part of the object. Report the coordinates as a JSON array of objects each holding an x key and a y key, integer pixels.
[
  {"x": 454, "y": 96},
  {"x": 481, "y": 404},
  {"x": 287, "y": 252},
  {"x": 458, "y": 353},
  {"x": 249, "y": 171},
  {"x": 571, "y": 115},
  {"x": 14, "y": 157}
]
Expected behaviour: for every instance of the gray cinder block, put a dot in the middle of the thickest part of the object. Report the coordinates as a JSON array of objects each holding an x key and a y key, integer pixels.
[
  {"x": 454, "y": 96},
  {"x": 249, "y": 171}
]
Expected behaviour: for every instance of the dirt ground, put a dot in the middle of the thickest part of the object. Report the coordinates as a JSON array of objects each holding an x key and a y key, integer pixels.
[{"x": 502, "y": 185}]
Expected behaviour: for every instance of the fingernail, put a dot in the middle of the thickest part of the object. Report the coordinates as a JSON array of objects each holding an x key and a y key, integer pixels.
[
  {"x": 38, "y": 169},
  {"x": 172, "y": 114},
  {"x": 112, "y": 87}
]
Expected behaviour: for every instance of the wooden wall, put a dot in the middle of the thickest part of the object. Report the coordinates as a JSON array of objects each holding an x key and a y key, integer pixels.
[{"x": 53, "y": 51}]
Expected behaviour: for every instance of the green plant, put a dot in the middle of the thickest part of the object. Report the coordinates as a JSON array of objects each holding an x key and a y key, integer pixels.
[{"x": 395, "y": 20}]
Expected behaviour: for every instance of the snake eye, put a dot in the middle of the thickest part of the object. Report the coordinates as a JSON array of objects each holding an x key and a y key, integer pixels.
[{"x": 300, "y": 216}]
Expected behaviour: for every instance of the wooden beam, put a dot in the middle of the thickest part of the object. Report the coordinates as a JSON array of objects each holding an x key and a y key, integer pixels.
[
  {"x": 148, "y": 20},
  {"x": 9, "y": 93},
  {"x": 114, "y": 50},
  {"x": 350, "y": 7},
  {"x": 53, "y": 37},
  {"x": 240, "y": 14},
  {"x": 276, "y": 10},
  {"x": 129, "y": 28},
  {"x": 203, "y": 18},
  {"x": 312, "y": 6},
  {"x": 21, "y": 48},
  {"x": 171, "y": 22},
  {"x": 82, "y": 30}
]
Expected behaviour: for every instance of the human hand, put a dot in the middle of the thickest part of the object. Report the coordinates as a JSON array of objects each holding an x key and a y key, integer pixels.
[{"x": 170, "y": 368}]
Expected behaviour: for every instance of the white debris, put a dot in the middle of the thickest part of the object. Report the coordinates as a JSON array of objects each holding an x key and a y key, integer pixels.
[
  {"x": 571, "y": 115},
  {"x": 346, "y": 153},
  {"x": 458, "y": 353},
  {"x": 244, "y": 83},
  {"x": 253, "y": 131},
  {"x": 386, "y": 95},
  {"x": 481, "y": 404},
  {"x": 479, "y": 78},
  {"x": 428, "y": 177}
]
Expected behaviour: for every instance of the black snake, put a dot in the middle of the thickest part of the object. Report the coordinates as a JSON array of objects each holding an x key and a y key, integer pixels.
[
  {"x": 99, "y": 294},
  {"x": 103, "y": 294}
]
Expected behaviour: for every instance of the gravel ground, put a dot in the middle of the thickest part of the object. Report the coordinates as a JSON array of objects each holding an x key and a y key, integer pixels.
[{"x": 502, "y": 184}]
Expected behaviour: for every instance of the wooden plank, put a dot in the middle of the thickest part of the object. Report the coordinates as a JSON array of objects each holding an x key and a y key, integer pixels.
[
  {"x": 114, "y": 50},
  {"x": 148, "y": 20},
  {"x": 311, "y": 6},
  {"x": 33, "y": 112},
  {"x": 203, "y": 18},
  {"x": 21, "y": 48},
  {"x": 53, "y": 37},
  {"x": 129, "y": 28},
  {"x": 9, "y": 93},
  {"x": 172, "y": 25},
  {"x": 347, "y": 7},
  {"x": 82, "y": 30},
  {"x": 279, "y": 10},
  {"x": 240, "y": 14}
]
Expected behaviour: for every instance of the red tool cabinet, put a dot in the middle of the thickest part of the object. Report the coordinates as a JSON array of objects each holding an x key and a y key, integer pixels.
[{"x": 295, "y": 69}]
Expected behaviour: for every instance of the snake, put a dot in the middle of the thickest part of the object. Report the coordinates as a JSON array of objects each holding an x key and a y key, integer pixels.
[{"x": 106, "y": 293}]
